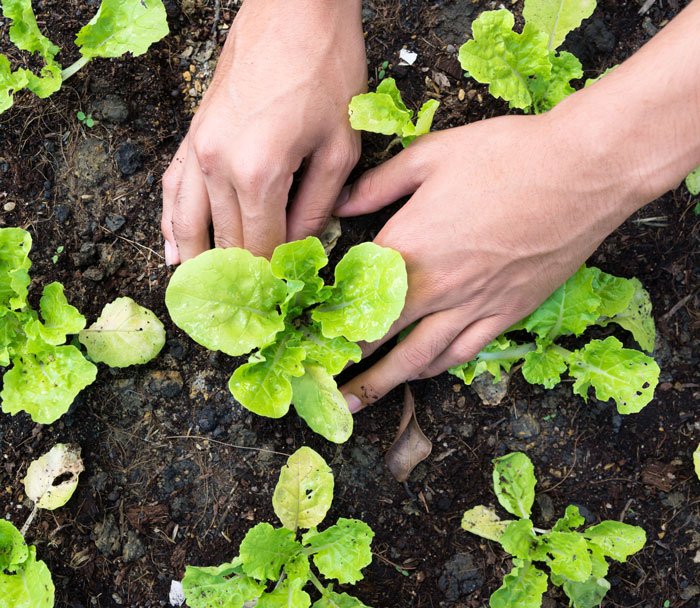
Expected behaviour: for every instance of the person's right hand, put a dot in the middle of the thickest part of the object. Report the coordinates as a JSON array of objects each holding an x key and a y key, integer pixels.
[{"x": 279, "y": 98}]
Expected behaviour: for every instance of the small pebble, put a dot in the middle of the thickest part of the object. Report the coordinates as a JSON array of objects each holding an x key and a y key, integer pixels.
[{"x": 9, "y": 206}]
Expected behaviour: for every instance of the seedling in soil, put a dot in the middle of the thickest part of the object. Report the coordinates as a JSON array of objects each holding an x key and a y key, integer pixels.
[
  {"x": 385, "y": 112},
  {"x": 232, "y": 301},
  {"x": 576, "y": 560},
  {"x": 590, "y": 297},
  {"x": 47, "y": 373},
  {"x": 120, "y": 26},
  {"x": 273, "y": 564},
  {"x": 692, "y": 182},
  {"x": 59, "y": 251},
  {"x": 382, "y": 70},
  {"x": 86, "y": 119}
]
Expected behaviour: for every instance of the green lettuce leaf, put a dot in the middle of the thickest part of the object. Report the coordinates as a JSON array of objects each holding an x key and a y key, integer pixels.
[
  {"x": 636, "y": 317},
  {"x": 40, "y": 483},
  {"x": 519, "y": 539},
  {"x": 331, "y": 599},
  {"x": 544, "y": 366},
  {"x": 333, "y": 353},
  {"x": 522, "y": 587},
  {"x": 499, "y": 354},
  {"x": 572, "y": 519},
  {"x": 692, "y": 182},
  {"x": 298, "y": 570},
  {"x": 263, "y": 385},
  {"x": 300, "y": 261},
  {"x": 124, "y": 334},
  {"x": 514, "y": 483},
  {"x": 222, "y": 586},
  {"x": 60, "y": 318},
  {"x": 319, "y": 402},
  {"x": 615, "y": 293},
  {"x": 44, "y": 384},
  {"x": 588, "y": 594},
  {"x": 10, "y": 82},
  {"x": 11, "y": 334},
  {"x": 556, "y": 18},
  {"x": 341, "y": 551},
  {"x": 483, "y": 522},
  {"x": 15, "y": 245},
  {"x": 122, "y": 26},
  {"x": 625, "y": 375},
  {"x": 227, "y": 299},
  {"x": 568, "y": 555},
  {"x": 265, "y": 549},
  {"x": 504, "y": 59},
  {"x": 423, "y": 122},
  {"x": 286, "y": 595},
  {"x": 616, "y": 539},
  {"x": 381, "y": 112},
  {"x": 548, "y": 92},
  {"x": 304, "y": 492},
  {"x": 29, "y": 586},
  {"x": 368, "y": 294},
  {"x": 13, "y": 549}
]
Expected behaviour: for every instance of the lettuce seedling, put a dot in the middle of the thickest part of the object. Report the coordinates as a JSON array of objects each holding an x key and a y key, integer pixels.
[
  {"x": 267, "y": 555},
  {"x": 232, "y": 301},
  {"x": 692, "y": 182},
  {"x": 576, "y": 560},
  {"x": 525, "y": 69},
  {"x": 385, "y": 112},
  {"x": 119, "y": 26},
  {"x": 590, "y": 297},
  {"x": 47, "y": 373}
]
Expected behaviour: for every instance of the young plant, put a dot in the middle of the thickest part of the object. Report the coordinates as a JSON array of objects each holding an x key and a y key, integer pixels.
[
  {"x": 525, "y": 69},
  {"x": 120, "y": 26},
  {"x": 47, "y": 373},
  {"x": 385, "y": 112},
  {"x": 86, "y": 119},
  {"x": 692, "y": 182},
  {"x": 274, "y": 565},
  {"x": 576, "y": 560},
  {"x": 232, "y": 301},
  {"x": 590, "y": 297}
]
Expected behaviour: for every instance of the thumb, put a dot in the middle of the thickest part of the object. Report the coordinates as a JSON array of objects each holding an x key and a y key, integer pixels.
[{"x": 381, "y": 186}]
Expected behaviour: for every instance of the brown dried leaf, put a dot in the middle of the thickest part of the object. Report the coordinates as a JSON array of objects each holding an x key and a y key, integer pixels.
[{"x": 410, "y": 445}]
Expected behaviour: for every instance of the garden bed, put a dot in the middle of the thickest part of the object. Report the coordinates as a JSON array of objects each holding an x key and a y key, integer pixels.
[{"x": 177, "y": 471}]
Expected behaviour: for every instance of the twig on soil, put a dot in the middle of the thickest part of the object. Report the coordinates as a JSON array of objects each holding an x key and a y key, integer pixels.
[
  {"x": 384, "y": 559},
  {"x": 658, "y": 221},
  {"x": 677, "y": 306},
  {"x": 230, "y": 445},
  {"x": 571, "y": 468},
  {"x": 123, "y": 238},
  {"x": 217, "y": 15},
  {"x": 25, "y": 527}
]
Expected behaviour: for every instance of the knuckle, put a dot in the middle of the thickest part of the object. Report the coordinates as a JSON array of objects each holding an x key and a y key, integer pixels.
[
  {"x": 250, "y": 174},
  {"x": 207, "y": 152},
  {"x": 170, "y": 181},
  {"x": 223, "y": 241},
  {"x": 183, "y": 229},
  {"x": 415, "y": 358},
  {"x": 341, "y": 157}
]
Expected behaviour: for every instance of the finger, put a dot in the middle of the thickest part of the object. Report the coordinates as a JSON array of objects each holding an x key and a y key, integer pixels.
[
  {"x": 406, "y": 360},
  {"x": 466, "y": 346},
  {"x": 323, "y": 179},
  {"x": 171, "y": 184},
  {"x": 192, "y": 214},
  {"x": 381, "y": 186}
]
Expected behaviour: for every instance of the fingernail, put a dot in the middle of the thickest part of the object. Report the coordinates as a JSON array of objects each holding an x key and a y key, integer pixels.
[
  {"x": 168, "y": 254},
  {"x": 343, "y": 197},
  {"x": 354, "y": 404}
]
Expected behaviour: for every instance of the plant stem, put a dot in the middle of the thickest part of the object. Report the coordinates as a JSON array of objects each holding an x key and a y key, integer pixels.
[
  {"x": 316, "y": 583},
  {"x": 509, "y": 353},
  {"x": 23, "y": 531},
  {"x": 72, "y": 69}
]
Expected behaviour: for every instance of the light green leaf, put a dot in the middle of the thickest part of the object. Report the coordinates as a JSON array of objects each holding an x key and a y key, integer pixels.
[
  {"x": 15, "y": 245},
  {"x": 222, "y": 586},
  {"x": 569, "y": 555},
  {"x": 484, "y": 522},
  {"x": 636, "y": 317},
  {"x": 388, "y": 87},
  {"x": 368, "y": 294},
  {"x": 48, "y": 83},
  {"x": 263, "y": 385},
  {"x": 544, "y": 366},
  {"x": 11, "y": 331},
  {"x": 615, "y": 293},
  {"x": 519, "y": 539},
  {"x": 265, "y": 549},
  {"x": 423, "y": 122},
  {"x": 556, "y": 18},
  {"x": 616, "y": 539},
  {"x": 625, "y": 375},
  {"x": 300, "y": 261},
  {"x": 333, "y": 353},
  {"x": 696, "y": 460},
  {"x": 44, "y": 384},
  {"x": 297, "y": 569},
  {"x": 13, "y": 549},
  {"x": 572, "y": 519},
  {"x": 331, "y": 599},
  {"x": 514, "y": 483},
  {"x": 548, "y": 91},
  {"x": 377, "y": 113},
  {"x": 692, "y": 182},
  {"x": 504, "y": 59},
  {"x": 10, "y": 82},
  {"x": 590, "y": 81},
  {"x": 227, "y": 299},
  {"x": 499, "y": 354},
  {"x": 30, "y": 586},
  {"x": 122, "y": 26},
  {"x": 587, "y": 594},
  {"x": 569, "y": 310},
  {"x": 319, "y": 402},
  {"x": 342, "y": 550},
  {"x": 40, "y": 482},
  {"x": 60, "y": 318},
  {"x": 285, "y": 595},
  {"x": 304, "y": 492},
  {"x": 124, "y": 334},
  {"x": 522, "y": 587}
]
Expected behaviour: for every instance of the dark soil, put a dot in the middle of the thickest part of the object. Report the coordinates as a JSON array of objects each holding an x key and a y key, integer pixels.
[{"x": 171, "y": 478}]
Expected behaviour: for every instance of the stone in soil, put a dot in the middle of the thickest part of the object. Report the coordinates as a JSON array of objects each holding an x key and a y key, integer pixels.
[
  {"x": 111, "y": 259},
  {"x": 544, "y": 502},
  {"x": 114, "y": 222},
  {"x": 111, "y": 109},
  {"x": 94, "y": 274},
  {"x": 85, "y": 256},
  {"x": 525, "y": 426},
  {"x": 92, "y": 163},
  {"x": 490, "y": 393},
  {"x": 107, "y": 536},
  {"x": 128, "y": 158},
  {"x": 63, "y": 213},
  {"x": 167, "y": 383},
  {"x": 454, "y": 23},
  {"x": 133, "y": 547},
  {"x": 459, "y": 577}
]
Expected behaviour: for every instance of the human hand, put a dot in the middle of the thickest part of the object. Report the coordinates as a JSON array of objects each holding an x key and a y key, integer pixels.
[
  {"x": 502, "y": 212},
  {"x": 278, "y": 99}
]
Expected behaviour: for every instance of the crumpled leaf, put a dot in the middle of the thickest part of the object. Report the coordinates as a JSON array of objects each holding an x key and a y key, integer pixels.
[
  {"x": 572, "y": 519},
  {"x": 484, "y": 522},
  {"x": 29, "y": 586},
  {"x": 331, "y": 599},
  {"x": 514, "y": 483},
  {"x": 499, "y": 354},
  {"x": 625, "y": 375},
  {"x": 616, "y": 539},
  {"x": 368, "y": 294},
  {"x": 636, "y": 317},
  {"x": 286, "y": 595},
  {"x": 122, "y": 26},
  {"x": 300, "y": 261},
  {"x": 333, "y": 353},
  {"x": 224, "y": 586},
  {"x": 548, "y": 92},
  {"x": 124, "y": 334},
  {"x": 15, "y": 245},
  {"x": 519, "y": 539},
  {"x": 556, "y": 18},
  {"x": 615, "y": 293},
  {"x": 10, "y": 83},
  {"x": 692, "y": 182},
  {"x": 423, "y": 122},
  {"x": 381, "y": 112},
  {"x": 568, "y": 553},
  {"x": 522, "y": 587},
  {"x": 265, "y": 549},
  {"x": 544, "y": 366},
  {"x": 410, "y": 446},
  {"x": 341, "y": 550},
  {"x": 60, "y": 318},
  {"x": 13, "y": 549},
  {"x": 588, "y": 594},
  {"x": 304, "y": 492},
  {"x": 62, "y": 459}
]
